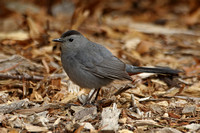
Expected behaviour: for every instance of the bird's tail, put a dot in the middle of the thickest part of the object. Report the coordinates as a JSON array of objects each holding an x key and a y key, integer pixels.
[{"x": 160, "y": 70}]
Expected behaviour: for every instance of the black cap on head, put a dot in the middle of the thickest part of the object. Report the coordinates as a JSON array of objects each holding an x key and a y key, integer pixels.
[{"x": 70, "y": 32}]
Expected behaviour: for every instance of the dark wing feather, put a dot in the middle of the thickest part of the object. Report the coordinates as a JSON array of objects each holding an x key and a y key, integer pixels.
[
  {"x": 102, "y": 64},
  {"x": 111, "y": 68}
]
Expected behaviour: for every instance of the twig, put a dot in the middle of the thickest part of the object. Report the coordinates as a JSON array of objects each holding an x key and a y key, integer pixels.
[
  {"x": 7, "y": 108},
  {"x": 10, "y": 68},
  {"x": 28, "y": 77},
  {"x": 122, "y": 90},
  {"x": 20, "y": 77},
  {"x": 33, "y": 110}
]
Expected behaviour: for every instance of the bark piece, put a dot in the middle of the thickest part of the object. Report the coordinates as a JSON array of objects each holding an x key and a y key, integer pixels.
[
  {"x": 7, "y": 108},
  {"x": 189, "y": 109},
  {"x": 82, "y": 113},
  {"x": 110, "y": 118}
]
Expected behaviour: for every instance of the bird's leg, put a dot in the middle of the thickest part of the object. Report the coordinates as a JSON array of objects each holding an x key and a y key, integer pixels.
[
  {"x": 90, "y": 97},
  {"x": 97, "y": 94}
]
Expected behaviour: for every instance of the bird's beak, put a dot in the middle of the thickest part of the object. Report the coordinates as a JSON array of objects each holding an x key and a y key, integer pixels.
[{"x": 57, "y": 40}]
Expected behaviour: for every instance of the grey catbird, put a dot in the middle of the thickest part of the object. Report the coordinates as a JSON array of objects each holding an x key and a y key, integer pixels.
[{"x": 91, "y": 65}]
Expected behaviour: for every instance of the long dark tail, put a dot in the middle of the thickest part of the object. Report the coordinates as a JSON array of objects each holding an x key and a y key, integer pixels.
[{"x": 160, "y": 70}]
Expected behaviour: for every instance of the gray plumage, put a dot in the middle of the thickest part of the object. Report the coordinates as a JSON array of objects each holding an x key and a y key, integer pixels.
[{"x": 91, "y": 65}]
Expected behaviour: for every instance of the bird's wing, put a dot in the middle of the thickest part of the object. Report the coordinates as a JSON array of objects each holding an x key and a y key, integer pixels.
[{"x": 99, "y": 61}]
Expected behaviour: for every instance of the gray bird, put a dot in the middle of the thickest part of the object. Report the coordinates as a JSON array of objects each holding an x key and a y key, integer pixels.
[{"x": 91, "y": 65}]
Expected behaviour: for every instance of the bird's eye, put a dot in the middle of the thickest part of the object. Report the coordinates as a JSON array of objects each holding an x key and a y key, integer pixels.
[{"x": 71, "y": 40}]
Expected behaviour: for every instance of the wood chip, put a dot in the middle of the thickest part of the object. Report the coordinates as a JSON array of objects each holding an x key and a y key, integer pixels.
[
  {"x": 10, "y": 107},
  {"x": 157, "y": 109},
  {"x": 110, "y": 117},
  {"x": 189, "y": 109},
  {"x": 193, "y": 127},
  {"x": 32, "y": 128},
  {"x": 85, "y": 113}
]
